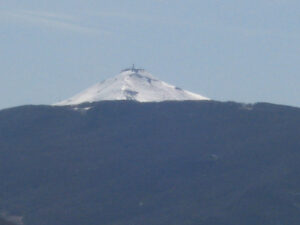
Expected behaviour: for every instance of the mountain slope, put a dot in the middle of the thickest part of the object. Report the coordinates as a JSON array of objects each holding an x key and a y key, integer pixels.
[
  {"x": 124, "y": 162},
  {"x": 132, "y": 84},
  {"x": 5, "y": 222}
]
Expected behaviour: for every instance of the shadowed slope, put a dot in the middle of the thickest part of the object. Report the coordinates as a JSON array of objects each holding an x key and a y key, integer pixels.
[{"x": 185, "y": 163}]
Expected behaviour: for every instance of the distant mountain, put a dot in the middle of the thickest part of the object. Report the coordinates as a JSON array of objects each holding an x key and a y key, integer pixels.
[
  {"x": 132, "y": 84},
  {"x": 125, "y": 163}
]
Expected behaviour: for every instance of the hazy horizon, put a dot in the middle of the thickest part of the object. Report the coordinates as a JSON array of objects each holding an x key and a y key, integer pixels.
[{"x": 229, "y": 51}]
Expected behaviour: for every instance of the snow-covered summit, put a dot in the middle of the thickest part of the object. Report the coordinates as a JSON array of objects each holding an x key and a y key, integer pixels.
[{"x": 132, "y": 84}]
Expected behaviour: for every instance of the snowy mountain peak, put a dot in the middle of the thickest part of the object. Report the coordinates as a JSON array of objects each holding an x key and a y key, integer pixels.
[{"x": 132, "y": 84}]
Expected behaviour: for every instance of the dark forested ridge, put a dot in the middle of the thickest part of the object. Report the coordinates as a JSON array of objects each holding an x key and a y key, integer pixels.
[
  {"x": 126, "y": 163},
  {"x": 5, "y": 222}
]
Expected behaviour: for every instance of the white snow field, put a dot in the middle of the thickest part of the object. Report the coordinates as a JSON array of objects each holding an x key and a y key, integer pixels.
[{"x": 132, "y": 84}]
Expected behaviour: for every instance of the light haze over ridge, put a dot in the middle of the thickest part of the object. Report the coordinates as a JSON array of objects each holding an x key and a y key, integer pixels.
[{"x": 245, "y": 51}]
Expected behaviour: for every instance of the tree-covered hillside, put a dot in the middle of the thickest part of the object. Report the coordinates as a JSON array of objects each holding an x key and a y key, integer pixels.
[
  {"x": 5, "y": 222},
  {"x": 125, "y": 163}
]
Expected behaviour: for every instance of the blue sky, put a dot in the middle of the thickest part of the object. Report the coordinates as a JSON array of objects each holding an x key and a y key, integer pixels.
[{"x": 245, "y": 51}]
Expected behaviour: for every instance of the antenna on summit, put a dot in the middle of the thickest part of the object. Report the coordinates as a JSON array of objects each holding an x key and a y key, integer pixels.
[{"x": 133, "y": 69}]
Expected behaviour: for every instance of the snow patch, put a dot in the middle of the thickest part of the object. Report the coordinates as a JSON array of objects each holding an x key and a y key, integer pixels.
[{"x": 132, "y": 84}]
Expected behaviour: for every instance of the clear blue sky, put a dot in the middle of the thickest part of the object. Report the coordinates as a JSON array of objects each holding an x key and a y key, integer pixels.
[{"x": 246, "y": 51}]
